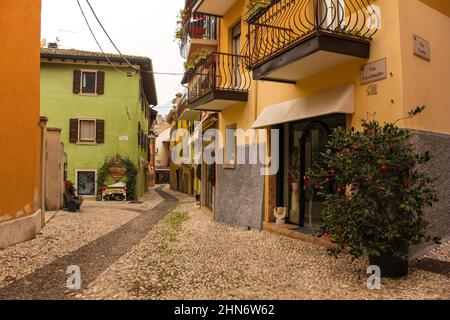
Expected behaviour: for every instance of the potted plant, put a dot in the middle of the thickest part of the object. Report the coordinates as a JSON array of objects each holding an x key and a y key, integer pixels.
[
  {"x": 256, "y": 9},
  {"x": 179, "y": 32},
  {"x": 199, "y": 56},
  {"x": 71, "y": 201},
  {"x": 196, "y": 26},
  {"x": 196, "y": 31},
  {"x": 375, "y": 194}
]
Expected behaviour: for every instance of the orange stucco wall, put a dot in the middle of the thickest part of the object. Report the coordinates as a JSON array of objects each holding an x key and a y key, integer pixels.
[{"x": 19, "y": 106}]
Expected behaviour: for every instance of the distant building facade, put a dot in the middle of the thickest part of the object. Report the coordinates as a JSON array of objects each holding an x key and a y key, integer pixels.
[{"x": 102, "y": 112}]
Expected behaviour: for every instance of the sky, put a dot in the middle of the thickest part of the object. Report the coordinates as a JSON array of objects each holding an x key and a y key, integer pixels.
[{"x": 138, "y": 27}]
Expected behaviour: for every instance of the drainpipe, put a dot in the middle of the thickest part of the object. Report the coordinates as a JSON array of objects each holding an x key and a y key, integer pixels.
[{"x": 43, "y": 125}]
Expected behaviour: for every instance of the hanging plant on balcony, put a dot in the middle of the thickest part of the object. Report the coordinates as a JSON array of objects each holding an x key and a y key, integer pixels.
[
  {"x": 200, "y": 55},
  {"x": 256, "y": 9},
  {"x": 189, "y": 66},
  {"x": 179, "y": 31},
  {"x": 375, "y": 194}
]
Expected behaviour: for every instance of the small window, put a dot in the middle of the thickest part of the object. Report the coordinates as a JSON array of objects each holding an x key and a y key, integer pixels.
[
  {"x": 230, "y": 147},
  {"x": 87, "y": 131},
  {"x": 89, "y": 82}
]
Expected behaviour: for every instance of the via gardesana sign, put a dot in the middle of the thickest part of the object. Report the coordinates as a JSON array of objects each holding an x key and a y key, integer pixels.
[{"x": 374, "y": 71}]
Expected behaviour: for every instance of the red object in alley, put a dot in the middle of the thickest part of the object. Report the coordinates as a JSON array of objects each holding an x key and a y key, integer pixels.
[{"x": 306, "y": 181}]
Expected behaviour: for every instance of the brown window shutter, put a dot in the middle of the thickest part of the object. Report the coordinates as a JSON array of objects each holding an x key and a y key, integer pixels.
[
  {"x": 100, "y": 131},
  {"x": 73, "y": 131},
  {"x": 100, "y": 82},
  {"x": 76, "y": 81}
]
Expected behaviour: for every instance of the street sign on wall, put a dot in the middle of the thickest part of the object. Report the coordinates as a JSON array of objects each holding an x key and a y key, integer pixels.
[
  {"x": 422, "y": 48},
  {"x": 374, "y": 71}
]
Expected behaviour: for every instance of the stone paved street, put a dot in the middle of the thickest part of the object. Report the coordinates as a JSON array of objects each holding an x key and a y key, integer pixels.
[{"x": 125, "y": 253}]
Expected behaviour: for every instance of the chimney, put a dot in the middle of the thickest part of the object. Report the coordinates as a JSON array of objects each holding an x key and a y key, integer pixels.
[{"x": 53, "y": 45}]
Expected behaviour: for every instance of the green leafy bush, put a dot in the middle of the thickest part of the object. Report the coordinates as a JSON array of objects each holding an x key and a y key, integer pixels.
[
  {"x": 374, "y": 189},
  {"x": 130, "y": 175}
]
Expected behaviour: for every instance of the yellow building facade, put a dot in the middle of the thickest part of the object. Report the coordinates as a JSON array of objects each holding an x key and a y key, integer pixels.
[
  {"x": 306, "y": 67},
  {"x": 183, "y": 175}
]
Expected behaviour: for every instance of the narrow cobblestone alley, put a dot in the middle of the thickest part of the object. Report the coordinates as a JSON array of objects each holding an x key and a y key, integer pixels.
[
  {"x": 166, "y": 248},
  {"x": 49, "y": 281}
]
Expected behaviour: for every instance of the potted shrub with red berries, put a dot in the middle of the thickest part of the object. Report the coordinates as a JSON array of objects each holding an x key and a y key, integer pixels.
[{"x": 375, "y": 194}]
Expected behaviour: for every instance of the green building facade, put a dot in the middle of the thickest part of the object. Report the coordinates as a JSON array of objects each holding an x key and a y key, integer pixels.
[{"x": 102, "y": 111}]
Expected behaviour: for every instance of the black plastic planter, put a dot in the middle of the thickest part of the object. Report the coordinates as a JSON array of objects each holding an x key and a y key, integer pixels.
[
  {"x": 72, "y": 206},
  {"x": 390, "y": 265}
]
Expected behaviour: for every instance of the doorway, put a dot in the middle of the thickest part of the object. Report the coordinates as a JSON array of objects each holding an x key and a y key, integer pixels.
[
  {"x": 312, "y": 145},
  {"x": 85, "y": 180},
  {"x": 301, "y": 146}
]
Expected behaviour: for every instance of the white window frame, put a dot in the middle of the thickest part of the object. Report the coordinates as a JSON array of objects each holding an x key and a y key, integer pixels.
[
  {"x": 95, "y": 182},
  {"x": 79, "y": 132},
  {"x": 81, "y": 82}
]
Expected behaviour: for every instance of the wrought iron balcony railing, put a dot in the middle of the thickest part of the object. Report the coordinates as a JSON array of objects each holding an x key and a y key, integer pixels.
[
  {"x": 286, "y": 23},
  {"x": 183, "y": 105},
  {"x": 197, "y": 26},
  {"x": 219, "y": 72}
]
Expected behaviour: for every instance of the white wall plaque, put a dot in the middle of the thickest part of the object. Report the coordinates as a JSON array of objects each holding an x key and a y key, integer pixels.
[
  {"x": 422, "y": 48},
  {"x": 123, "y": 138},
  {"x": 373, "y": 71}
]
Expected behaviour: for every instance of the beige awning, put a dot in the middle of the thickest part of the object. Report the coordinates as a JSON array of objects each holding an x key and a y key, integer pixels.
[{"x": 337, "y": 100}]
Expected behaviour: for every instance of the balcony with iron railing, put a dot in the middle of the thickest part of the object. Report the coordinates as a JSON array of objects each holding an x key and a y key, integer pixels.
[
  {"x": 219, "y": 81},
  {"x": 185, "y": 112},
  {"x": 293, "y": 39},
  {"x": 183, "y": 105},
  {"x": 199, "y": 31}
]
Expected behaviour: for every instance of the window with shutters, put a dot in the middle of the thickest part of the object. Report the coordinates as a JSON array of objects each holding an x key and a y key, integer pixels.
[
  {"x": 88, "y": 82},
  {"x": 87, "y": 132}
]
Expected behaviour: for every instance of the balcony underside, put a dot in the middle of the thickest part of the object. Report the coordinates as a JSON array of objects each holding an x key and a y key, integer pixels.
[
  {"x": 312, "y": 55},
  {"x": 218, "y": 100},
  {"x": 213, "y": 7}
]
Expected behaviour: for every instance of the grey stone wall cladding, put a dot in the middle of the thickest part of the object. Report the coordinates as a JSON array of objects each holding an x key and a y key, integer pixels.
[
  {"x": 439, "y": 168},
  {"x": 240, "y": 194}
]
